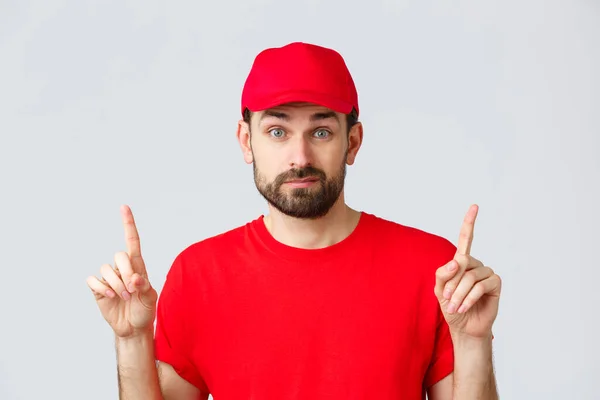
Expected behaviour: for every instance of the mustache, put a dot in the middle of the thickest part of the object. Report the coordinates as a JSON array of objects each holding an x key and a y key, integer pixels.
[{"x": 300, "y": 173}]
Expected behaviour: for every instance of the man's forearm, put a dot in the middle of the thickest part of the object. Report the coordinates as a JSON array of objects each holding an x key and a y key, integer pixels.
[
  {"x": 136, "y": 367},
  {"x": 474, "y": 377}
]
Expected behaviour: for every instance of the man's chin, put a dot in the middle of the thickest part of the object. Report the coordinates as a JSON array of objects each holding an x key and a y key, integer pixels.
[{"x": 299, "y": 188}]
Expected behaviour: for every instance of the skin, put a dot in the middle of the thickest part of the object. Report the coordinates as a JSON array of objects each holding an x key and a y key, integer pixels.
[
  {"x": 468, "y": 293},
  {"x": 283, "y": 144},
  {"x": 128, "y": 302},
  {"x": 303, "y": 144}
]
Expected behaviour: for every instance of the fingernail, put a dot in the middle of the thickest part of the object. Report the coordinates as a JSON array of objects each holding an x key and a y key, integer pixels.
[
  {"x": 447, "y": 293},
  {"x": 451, "y": 308},
  {"x": 462, "y": 309},
  {"x": 126, "y": 295},
  {"x": 452, "y": 266},
  {"x": 109, "y": 293}
]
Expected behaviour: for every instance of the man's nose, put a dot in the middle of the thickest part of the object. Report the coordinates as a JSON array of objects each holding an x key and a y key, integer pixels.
[{"x": 300, "y": 152}]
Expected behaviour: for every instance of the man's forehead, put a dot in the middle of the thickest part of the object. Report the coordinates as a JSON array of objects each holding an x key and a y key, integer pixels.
[{"x": 290, "y": 111}]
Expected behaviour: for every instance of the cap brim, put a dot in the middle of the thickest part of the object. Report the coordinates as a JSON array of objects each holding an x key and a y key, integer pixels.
[{"x": 321, "y": 99}]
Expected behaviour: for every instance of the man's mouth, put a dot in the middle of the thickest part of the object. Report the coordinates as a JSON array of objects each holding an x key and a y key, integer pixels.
[{"x": 311, "y": 179}]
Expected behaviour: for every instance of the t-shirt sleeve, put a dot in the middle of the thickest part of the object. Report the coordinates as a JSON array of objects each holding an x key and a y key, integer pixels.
[
  {"x": 172, "y": 338},
  {"x": 442, "y": 361}
]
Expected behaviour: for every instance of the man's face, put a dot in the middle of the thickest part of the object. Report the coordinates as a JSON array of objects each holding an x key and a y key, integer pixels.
[{"x": 299, "y": 152}]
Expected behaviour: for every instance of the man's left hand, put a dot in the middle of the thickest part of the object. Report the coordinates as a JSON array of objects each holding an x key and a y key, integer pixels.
[{"x": 468, "y": 291}]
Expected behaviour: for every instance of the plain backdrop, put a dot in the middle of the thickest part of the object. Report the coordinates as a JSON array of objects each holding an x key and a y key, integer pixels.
[{"x": 104, "y": 103}]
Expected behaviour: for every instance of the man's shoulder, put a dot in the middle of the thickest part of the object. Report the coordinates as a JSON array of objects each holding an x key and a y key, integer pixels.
[
  {"x": 219, "y": 242},
  {"x": 410, "y": 236}
]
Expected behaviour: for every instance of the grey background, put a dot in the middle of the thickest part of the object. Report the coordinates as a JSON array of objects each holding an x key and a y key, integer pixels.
[{"x": 105, "y": 103}]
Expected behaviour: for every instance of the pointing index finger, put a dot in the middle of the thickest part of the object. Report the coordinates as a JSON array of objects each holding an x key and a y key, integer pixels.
[
  {"x": 132, "y": 240},
  {"x": 465, "y": 238}
]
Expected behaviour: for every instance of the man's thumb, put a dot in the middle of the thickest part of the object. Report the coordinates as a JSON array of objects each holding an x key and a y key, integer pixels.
[{"x": 139, "y": 284}]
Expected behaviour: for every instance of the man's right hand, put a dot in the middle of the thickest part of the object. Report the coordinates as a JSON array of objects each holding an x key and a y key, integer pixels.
[{"x": 124, "y": 295}]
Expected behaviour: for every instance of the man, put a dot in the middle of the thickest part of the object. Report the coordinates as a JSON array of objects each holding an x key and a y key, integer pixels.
[{"x": 316, "y": 300}]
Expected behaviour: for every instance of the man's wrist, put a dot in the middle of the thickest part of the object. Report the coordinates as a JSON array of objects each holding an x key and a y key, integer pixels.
[
  {"x": 130, "y": 348},
  {"x": 460, "y": 339},
  {"x": 473, "y": 359},
  {"x": 135, "y": 354},
  {"x": 137, "y": 337}
]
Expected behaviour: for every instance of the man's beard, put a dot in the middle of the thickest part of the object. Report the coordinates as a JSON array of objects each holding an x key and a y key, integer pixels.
[{"x": 307, "y": 203}]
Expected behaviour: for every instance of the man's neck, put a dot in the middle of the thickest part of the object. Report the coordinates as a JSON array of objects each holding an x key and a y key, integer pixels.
[{"x": 330, "y": 229}]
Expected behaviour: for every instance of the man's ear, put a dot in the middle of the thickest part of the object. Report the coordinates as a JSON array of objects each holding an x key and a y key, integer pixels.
[
  {"x": 355, "y": 138},
  {"x": 243, "y": 137}
]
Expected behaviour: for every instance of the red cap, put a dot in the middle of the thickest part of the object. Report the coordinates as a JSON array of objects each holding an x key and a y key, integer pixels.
[{"x": 299, "y": 72}]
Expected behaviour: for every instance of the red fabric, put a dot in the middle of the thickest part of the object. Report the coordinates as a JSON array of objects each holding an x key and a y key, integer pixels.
[
  {"x": 243, "y": 316},
  {"x": 299, "y": 72}
]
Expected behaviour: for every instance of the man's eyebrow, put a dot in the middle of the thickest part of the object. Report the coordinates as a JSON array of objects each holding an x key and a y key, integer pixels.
[
  {"x": 285, "y": 117},
  {"x": 324, "y": 115},
  {"x": 276, "y": 114}
]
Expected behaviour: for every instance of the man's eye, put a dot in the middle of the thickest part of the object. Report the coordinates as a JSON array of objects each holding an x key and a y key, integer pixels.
[
  {"x": 322, "y": 133},
  {"x": 276, "y": 132}
]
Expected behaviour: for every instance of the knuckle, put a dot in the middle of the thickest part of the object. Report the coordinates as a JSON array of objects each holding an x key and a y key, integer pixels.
[
  {"x": 111, "y": 276},
  {"x": 439, "y": 273},
  {"x": 457, "y": 298},
  {"x": 455, "y": 282},
  {"x": 463, "y": 260},
  {"x": 478, "y": 289},
  {"x": 104, "y": 268},
  {"x": 474, "y": 262},
  {"x": 499, "y": 279},
  {"x": 470, "y": 276},
  {"x": 132, "y": 236}
]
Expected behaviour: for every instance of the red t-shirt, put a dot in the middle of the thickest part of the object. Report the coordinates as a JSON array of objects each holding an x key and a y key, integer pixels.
[{"x": 243, "y": 316}]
